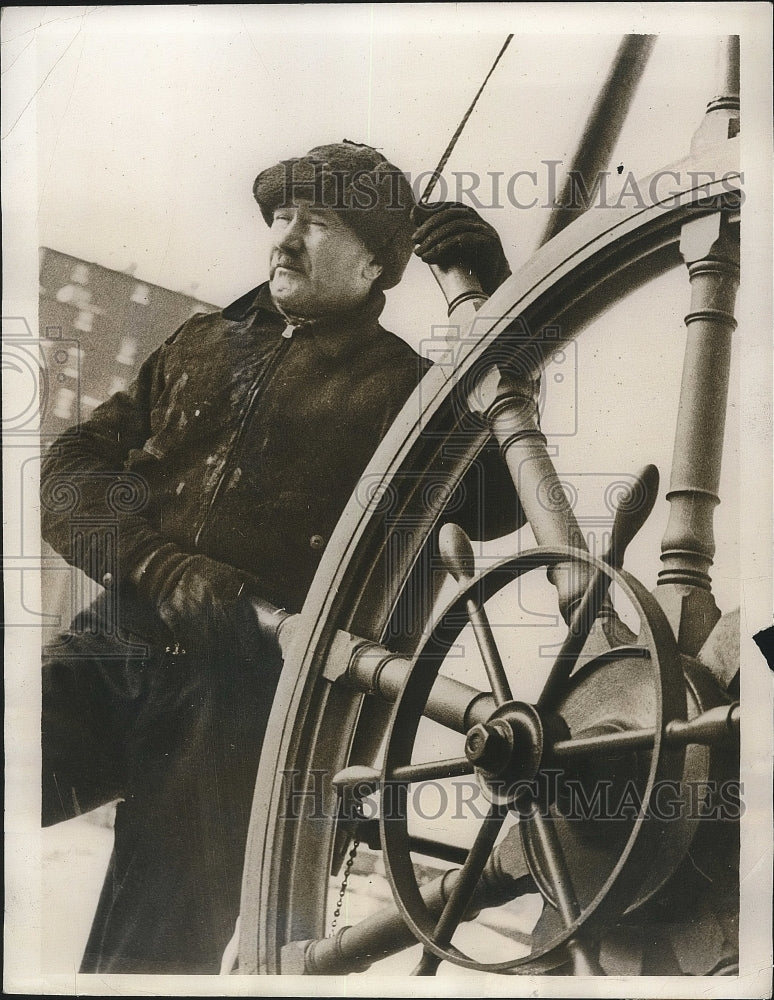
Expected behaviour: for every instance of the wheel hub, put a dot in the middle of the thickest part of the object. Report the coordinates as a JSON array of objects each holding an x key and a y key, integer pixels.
[{"x": 507, "y": 752}]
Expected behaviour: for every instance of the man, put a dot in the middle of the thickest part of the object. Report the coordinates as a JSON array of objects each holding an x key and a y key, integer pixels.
[{"x": 213, "y": 482}]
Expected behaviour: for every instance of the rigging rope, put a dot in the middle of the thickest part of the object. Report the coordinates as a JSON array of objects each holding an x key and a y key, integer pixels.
[{"x": 448, "y": 151}]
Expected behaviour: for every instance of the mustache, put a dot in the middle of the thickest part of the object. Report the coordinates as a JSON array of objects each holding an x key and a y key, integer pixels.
[{"x": 284, "y": 259}]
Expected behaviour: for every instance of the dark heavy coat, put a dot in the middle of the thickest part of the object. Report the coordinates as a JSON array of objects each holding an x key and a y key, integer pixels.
[
  {"x": 234, "y": 441},
  {"x": 243, "y": 444}
]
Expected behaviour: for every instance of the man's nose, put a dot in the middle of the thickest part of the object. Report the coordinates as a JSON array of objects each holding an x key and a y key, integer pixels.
[{"x": 291, "y": 235}]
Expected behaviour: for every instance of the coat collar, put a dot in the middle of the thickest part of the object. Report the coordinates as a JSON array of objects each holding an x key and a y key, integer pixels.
[
  {"x": 331, "y": 333},
  {"x": 257, "y": 298}
]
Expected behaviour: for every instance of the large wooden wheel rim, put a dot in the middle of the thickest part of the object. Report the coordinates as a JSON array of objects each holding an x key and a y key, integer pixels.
[{"x": 316, "y": 720}]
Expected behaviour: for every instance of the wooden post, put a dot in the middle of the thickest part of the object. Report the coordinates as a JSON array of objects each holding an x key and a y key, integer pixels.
[
  {"x": 722, "y": 120},
  {"x": 508, "y": 402},
  {"x": 710, "y": 248},
  {"x": 684, "y": 591}
]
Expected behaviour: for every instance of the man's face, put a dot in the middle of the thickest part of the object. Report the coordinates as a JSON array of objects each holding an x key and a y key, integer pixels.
[{"x": 318, "y": 265}]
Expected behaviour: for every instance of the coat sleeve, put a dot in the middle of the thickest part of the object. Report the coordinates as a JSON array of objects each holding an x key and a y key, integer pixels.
[{"x": 91, "y": 508}]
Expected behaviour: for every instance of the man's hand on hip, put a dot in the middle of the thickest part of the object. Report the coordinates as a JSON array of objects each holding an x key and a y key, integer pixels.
[{"x": 451, "y": 233}]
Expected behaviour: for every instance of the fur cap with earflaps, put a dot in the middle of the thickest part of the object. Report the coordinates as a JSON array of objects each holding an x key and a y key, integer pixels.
[{"x": 373, "y": 197}]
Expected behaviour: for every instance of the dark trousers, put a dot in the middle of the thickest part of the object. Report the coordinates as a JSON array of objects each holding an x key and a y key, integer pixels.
[{"x": 176, "y": 738}]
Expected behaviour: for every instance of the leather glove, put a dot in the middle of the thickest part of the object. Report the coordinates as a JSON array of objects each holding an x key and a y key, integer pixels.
[
  {"x": 451, "y": 233},
  {"x": 204, "y": 603}
]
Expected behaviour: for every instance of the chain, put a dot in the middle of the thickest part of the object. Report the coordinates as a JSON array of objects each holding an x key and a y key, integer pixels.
[{"x": 347, "y": 872}]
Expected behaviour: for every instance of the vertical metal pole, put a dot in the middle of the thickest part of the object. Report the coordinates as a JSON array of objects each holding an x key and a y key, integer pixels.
[{"x": 601, "y": 132}]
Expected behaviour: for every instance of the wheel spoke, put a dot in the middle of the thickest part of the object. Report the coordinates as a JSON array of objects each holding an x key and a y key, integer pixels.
[
  {"x": 581, "y": 623},
  {"x": 463, "y": 890},
  {"x": 369, "y": 833},
  {"x": 716, "y": 725},
  {"x": 374, "y": 670},
  {"x": 557, "y": 872},
  {"x": 585, "y": 746},
  {"x": 428, "y": 965},
  {"x": 355, "y": 948},
  {"x": 584, "y": 963},
  {"x": 493, "y": 664},
  {"x": 457, "y": 554},
  {"x": 432, "y": 771},
  {"x": 630, "y": 515},
  {"x": 464, "y": 887},
  {"x": 457, "y": 706}
]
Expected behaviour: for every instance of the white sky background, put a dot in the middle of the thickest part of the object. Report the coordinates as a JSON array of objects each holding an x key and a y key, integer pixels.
[
  {"x": 150, "y": 124},
  {"x": 153, "y": 122}
]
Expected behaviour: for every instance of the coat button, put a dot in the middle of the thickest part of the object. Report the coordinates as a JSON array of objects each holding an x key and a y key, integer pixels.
[
  {"x": 107, "y": 580},
  {"x": 317, "y": 541}
]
